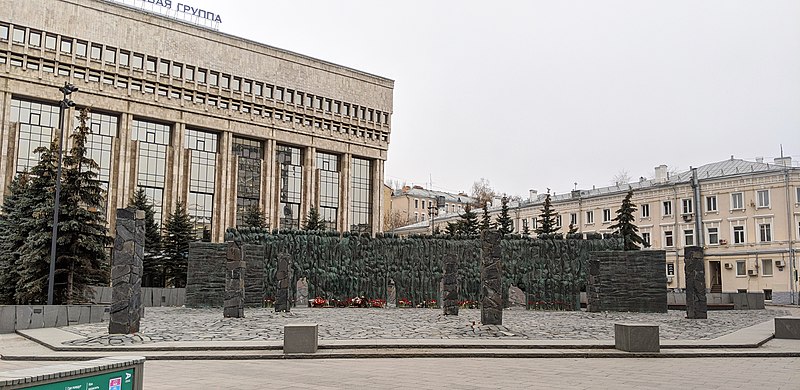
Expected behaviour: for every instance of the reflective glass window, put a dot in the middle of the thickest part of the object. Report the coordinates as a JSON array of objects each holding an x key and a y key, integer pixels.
[
  {"x": 153, "y": 140},
  {"x": 328, "y": 168},
  {"x": 361, "y": 196},
  {"x": 248, "y": 191},
  {"x": 36, "y": 122},
  {"x": 35, "y": 39},
  {"x": 66, "y": 45},
  {"x": 202, "y": 174},
  {"x": 290, "y": 162}
]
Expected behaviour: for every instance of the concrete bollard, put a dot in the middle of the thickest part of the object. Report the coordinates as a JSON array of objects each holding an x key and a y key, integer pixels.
[
  {"x": 787, "y": 327},
  {"x": 636, "y": 337},
  {"x": 300, "y": 338}
]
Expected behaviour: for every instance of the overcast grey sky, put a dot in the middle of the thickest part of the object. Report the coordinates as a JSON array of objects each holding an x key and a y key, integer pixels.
[{"x": 538, "y": 94}]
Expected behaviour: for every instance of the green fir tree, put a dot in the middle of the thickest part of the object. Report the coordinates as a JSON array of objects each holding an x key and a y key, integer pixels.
[
  {"x": 547, "y": 218},
  {"x": 624, "y": 225},
  {"x": 254, "y": 217},
  {"x": 16, "y": 207},
  {"x": 486, "y": 220},
  {"x": 314, "y": 221},
  {"x": 453, "y": 228},
  {"x": 34, "y": 259},
  {"x": 83, "y": 229},
  {"x": 572, "y": 229},
  {"x": 153, "y": 269},
  {"x": 504, "y": 223},
  {"x": 178, "y": 233},
  {"x": 469, "y": 222}
]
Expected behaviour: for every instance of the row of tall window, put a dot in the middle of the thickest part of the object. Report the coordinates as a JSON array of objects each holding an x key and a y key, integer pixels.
[
  {"x": 132, "y": 84},
  {"x": 142, "y": 62},
  {"x": 36, "y": 122}
]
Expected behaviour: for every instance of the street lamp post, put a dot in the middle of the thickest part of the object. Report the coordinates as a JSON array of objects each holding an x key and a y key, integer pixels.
[{"x": 65, "y": 104}]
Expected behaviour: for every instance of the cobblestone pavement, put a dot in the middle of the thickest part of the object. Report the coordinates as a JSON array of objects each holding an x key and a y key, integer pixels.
[{"x": 182, "y": 324}]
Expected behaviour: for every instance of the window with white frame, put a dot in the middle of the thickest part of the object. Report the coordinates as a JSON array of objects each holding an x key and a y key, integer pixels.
[
  {"x": 416, "y": 203},
  {"x": 711, "y": 203},
  {"x": 573, "y": 219},
  {"x": 534, "y": 223},
  {"x": 738, "y": 230},
  {"x": 766, "y": 267},
  {"x": 669, "y": 239},
  {"x": 712, "y": 233},
  {"x": 416, "y": 216},
  {"x": 688, "y": 237},
  {"x": 797, "y": 195},
  {"x": 686, "y": 206},
  {"x": 667, "y": 207},
  {"x": 606, "y": 215},
  {"x": 764, "y": 226},
  {"x": 589, "y": 217},
  {"x": 645, "y": 208},
  {"x": 558, "y": 220},
  {"x": 762, "y": 197},
  {"x": 741, "y": 268},
  {"x": 737, "y": 201}
]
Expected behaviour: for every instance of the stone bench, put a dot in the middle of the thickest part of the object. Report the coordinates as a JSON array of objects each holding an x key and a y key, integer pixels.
[
  {"x": 636, "y": 337},
  {"x": 125, "y": 371},
  {"x": 787, "y": 327},
  {"x": 300, "y": 338}
]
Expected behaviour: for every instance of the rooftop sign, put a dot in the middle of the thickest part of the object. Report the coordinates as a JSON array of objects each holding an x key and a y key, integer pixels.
[{"x": 178, "y": 10}]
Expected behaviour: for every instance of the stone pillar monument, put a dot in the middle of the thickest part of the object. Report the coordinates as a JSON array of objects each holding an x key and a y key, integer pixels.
[
  {"x": 234, "y": 282},
  {"x": 283, "y": 279},
  {"x": 126, "y": 273},
  {"x": 491, "y": 279},
  {"x": 391, "y": 294},
  {"x": 450, "y": 285},
  {"x": 695, "y": 270}
]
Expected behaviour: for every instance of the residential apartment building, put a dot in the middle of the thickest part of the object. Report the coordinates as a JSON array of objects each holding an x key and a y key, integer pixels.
[
  {"x": 414, "y": 204},
  {"x": 194, "y": 115},
  {"x": 749, "y": 213}
]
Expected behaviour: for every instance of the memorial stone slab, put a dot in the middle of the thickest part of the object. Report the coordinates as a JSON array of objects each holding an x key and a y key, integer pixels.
[
  {"x": 695, "y": 271},
  {"x": 126, "y": 273},
  {"x": 302, "y": 293},
  {"x": 491, "y": 279},
  {"x": 283, "y": 279},
  {"x": 234, "y": 282},
  {"x": 450, "y": 285}
]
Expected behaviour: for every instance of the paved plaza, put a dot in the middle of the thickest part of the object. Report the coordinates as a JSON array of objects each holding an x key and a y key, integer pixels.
[{"x": 163, "y": 324}]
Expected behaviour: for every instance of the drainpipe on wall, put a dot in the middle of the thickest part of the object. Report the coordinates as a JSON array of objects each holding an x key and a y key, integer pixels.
[
  {"x": 790, "y": 232},
  {"x": 676, "y": 236},
  {"x": 698, "y": 215}
]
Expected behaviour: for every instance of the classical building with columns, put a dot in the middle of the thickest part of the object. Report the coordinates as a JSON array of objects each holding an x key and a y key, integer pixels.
[{"x": 191, "y": 114}]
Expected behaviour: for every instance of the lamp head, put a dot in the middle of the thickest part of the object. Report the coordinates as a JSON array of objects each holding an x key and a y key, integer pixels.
[{"x": 68, "y": 89}]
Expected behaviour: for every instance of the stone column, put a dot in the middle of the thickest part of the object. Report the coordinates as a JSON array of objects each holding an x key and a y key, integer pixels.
[
  {"x": 126, "y": 273},
  {"x": 491, "y": 279},
  {"x": 283, "y": 279},
  {"x": 234, "y": 282},
  {"x": 695, "y": 271},
  {"x": 450, "y": 282},
  {"x": 391, "y": 294}
]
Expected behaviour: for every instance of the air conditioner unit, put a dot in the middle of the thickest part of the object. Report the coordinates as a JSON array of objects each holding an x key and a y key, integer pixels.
[
  {"x": 723, "y": 242},
  {"x": 752, "y": 272},
  {"x": 728, "y": 266},
  {"x": 780, "y": 263}
]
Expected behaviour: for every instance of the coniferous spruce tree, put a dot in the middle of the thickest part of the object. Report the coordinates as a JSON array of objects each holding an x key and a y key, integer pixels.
[
  {"x": 152, "y": 267},
  {"x": 178, "y": 233},
  {"x": 547, "y": 218},
  {"x": 16, "y": 207},
  {"x": 572, "y": 229},
  {"x": 314, "y": 221},
  {"x": 469, "y": 222},
  {"x": 624, "y": 225},
  {"x": 254, "y": 217},
  {"x": 486, "y": 221},
  {"x": 82, "y": 229},
  {"x": 504, "y": 223},
  {"x": 453, "y": 228},
  {"x": 34, "y": 259}
]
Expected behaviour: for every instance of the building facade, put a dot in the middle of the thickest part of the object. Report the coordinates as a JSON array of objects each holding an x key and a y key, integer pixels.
[
  {"x": 749, "y": 213},
  {"x": 190, "y": 114},
  {"x": 413, "y": 204}
]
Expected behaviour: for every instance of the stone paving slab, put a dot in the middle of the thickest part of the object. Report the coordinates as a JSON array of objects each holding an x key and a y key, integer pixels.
[{"x": 165, "y": 325}]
